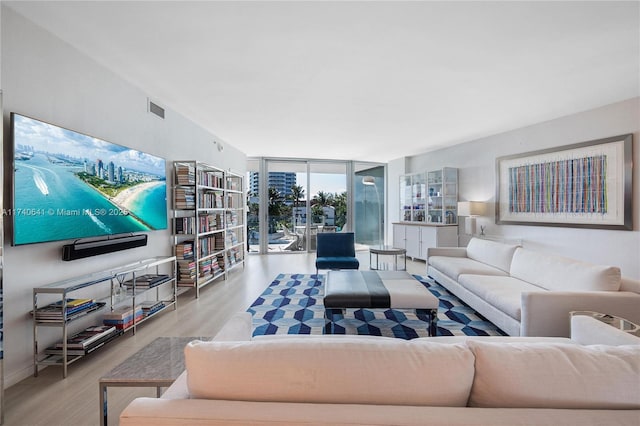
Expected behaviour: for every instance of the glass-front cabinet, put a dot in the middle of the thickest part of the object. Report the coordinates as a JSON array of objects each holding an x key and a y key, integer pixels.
[
  {"x": 442, "y": 196},
  {"x": 430, "y": 197},
  {"x": 413, "y": 197}
]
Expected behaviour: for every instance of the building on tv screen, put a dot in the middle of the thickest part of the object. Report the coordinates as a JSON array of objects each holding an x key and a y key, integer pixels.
[{"x": 68, "y": 185}]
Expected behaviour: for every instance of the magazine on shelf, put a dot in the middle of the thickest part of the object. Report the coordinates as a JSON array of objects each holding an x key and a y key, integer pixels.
[
  {"x": 148, "y": 280},
  {"x": 52, "y": 313},
  {"x": 55, "y": 350},
  {"x": 88, "y": 336}
]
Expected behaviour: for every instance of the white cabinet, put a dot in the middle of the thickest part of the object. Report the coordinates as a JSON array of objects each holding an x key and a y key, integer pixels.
[
  {"x": 412, "y": 239},
  {"x": 399, "y": 235},
  {"x": 416, "y": 238}
]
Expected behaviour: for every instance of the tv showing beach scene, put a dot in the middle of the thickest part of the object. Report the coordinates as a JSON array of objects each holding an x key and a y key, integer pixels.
[{"x": 68, "y": 185}]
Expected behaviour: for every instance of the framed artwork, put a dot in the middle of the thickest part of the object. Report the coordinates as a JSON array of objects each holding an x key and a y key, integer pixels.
[{"x": 584, "y": 185}]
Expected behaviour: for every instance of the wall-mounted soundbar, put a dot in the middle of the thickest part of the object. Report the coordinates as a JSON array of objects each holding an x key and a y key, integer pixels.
[{"x": 81, "y": 249}]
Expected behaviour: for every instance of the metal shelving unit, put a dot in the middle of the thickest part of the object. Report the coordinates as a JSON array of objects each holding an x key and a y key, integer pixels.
[
  {"x": 208, "y": 223},
  {"x": 113, "y": 294}
]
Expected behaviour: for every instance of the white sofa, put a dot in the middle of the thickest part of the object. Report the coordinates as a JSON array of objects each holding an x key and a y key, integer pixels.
[
  {"x": 355, "y": 380},
  {"x": 530, "y": 293}
]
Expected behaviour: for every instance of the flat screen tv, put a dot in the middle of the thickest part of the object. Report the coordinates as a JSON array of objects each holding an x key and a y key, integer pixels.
[{"x": 68, "y": 185}]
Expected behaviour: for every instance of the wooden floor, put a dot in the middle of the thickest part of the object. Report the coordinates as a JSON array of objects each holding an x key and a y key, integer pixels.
[{"x": 51, "y": 400}]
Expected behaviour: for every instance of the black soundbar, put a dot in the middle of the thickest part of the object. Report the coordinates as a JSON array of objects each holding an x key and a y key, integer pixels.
[{"x": 81, "y": 249}]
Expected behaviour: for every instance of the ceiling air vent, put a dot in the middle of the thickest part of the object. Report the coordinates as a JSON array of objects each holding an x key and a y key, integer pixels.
[{"x": 157, "y": 110}]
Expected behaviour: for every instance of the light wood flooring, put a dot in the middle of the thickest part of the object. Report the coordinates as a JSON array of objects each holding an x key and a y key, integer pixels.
[{"x": 51, "y": 400}]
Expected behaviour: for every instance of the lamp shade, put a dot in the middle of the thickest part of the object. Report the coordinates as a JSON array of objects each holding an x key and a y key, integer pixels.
[
  {"x": 471, "y": 208},
  {"x": 368, "y": 180}
]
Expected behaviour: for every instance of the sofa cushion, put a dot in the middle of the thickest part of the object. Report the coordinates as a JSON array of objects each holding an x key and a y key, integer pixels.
[
  {"x": 345, "y": 371},
  {"x": 453, "y": 267},
  {"x": 492, "y": 253},
  {"x": 503, "y": 293},
  {"x": 563, "y": 274},
  {"x": 537, "y": 375}
]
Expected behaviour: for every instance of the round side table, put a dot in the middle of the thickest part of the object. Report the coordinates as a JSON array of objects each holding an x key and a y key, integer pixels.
[{"x": 388, "y": 251}]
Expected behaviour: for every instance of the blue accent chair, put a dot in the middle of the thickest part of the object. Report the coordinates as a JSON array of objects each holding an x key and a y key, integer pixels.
[{"x": 336, "y": 251}]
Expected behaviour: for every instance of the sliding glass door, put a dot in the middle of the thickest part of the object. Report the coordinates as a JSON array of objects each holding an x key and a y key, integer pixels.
[
  {"x": 291, "y": 201},
  {"x": 328, "y": 199},
  {"x": 369, "y": 204},
  {"x": 286, "y": 206}
]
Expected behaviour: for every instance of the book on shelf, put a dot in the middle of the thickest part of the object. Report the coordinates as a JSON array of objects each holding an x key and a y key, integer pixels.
[
  {"x": 210, "y": 178},
  {"x": 185, "y": 198},
  {"x": 184, "y": 250},
  {"x": 86, "y": 337},
  {"x": 123, "y": 316},
  {"x": 183, "y": 225},
  {"x": 147, "y": 280},
  {"x": 53, "y": 312},
  {"x": 186, "y": 272},
  {"x": 185, "y": 174},
  {"x": 56, "y": 350},
  {"x": 150, "y": 307}
]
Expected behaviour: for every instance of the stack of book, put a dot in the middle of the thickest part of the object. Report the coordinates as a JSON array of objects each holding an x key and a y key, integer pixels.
[
  {"x": 86, "y": 341},
  {"x": 215, "y": 267},
  {"x": 184, "y": 250},
  {"x": 147, "y": 281},
  {"x": 75, "y": 308},
  {"x": 186, "y": 272},
  {"x": 185, "y": 174},
  {"x": 150, "y": 307},
  {"x": 185, "y": 198},
  {"x": 204, "y": 268},
  {"x": 123, "y": 317}
]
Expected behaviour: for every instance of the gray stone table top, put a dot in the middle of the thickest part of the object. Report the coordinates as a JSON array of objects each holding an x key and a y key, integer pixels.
[{"x": 160, "y": 362}]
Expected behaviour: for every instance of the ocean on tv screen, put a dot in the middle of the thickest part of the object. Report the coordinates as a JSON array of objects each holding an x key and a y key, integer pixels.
[{"x": 68, "y": 185}]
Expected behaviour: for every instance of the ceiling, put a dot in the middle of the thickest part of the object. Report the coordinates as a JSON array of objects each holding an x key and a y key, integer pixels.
[{"x": 359, "y": 80}]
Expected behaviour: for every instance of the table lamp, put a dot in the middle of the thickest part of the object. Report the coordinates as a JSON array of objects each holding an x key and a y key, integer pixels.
[{"x": 470, "y": 210}]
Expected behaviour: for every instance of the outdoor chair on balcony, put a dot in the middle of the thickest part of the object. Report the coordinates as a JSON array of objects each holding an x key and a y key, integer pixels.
[{"x": 336, "y": 251}]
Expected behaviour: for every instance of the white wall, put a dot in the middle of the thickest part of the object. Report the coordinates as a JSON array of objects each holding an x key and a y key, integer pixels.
[
  {"x": 476, "y": 163},
  {"x": 47, "y": 79},
  {"x": 395, "y": 168}
]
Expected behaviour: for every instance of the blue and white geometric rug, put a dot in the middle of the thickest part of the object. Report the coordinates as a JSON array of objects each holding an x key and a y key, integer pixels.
[{"x": 292, "y": 304}]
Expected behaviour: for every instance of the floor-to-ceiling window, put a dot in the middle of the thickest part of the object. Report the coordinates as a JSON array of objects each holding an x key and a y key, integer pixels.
[
  {"x": 253, "y": 205},
  {"x": 286, "y": 205},
  {"x": 328, "y": 198},
  {"x": 291, "y": 200}
]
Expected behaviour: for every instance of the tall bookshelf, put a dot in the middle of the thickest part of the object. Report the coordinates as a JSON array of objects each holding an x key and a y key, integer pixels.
[{"x": 208, "y": 223}]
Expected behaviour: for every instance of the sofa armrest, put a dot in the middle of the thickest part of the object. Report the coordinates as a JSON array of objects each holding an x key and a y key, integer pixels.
[
  {"x": 547, "y": 313},
  {"x": 446, "y": 251},
  {"x": 586, "y": 330},
  {"x": 238, "y": 328},
  {"x": 178, "y": 389}
]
